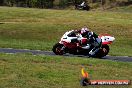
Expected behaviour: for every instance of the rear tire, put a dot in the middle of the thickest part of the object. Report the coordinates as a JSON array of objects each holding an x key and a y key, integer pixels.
[{"x": 57, "y": 49}]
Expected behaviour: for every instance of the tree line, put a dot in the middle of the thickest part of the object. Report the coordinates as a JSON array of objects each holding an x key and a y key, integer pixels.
[{"x": 62, "y": 3}]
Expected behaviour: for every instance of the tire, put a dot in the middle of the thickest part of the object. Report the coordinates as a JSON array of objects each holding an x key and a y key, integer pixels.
[
  {"x": 107, "y": 49},
  {"x": 87, "y": 8},
  {"x": 103, "y": 51},
  {"x": 57, "y": 49}
]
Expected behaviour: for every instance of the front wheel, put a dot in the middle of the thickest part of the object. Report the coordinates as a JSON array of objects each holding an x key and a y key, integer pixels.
[
  {"x": 57, "y": 49},
  {"x": 103, "y": 51}
]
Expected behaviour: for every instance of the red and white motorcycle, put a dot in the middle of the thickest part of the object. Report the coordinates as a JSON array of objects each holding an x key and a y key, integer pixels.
[{"x": 68, "y": 44}]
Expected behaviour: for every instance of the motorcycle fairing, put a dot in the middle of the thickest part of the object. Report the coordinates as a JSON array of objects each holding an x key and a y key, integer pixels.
[{"x": 106, "y": 39}]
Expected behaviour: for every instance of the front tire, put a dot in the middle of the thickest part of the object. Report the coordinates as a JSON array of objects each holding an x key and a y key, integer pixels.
[
  {"x": 103, "y": 51},
  {"x": 57, "y": 49}
]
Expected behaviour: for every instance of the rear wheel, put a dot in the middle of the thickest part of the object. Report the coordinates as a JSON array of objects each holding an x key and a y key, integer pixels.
[{"x": 57, "y": 49}]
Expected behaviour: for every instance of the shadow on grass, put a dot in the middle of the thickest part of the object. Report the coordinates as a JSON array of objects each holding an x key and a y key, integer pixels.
[{"x": 2, "y": 23}]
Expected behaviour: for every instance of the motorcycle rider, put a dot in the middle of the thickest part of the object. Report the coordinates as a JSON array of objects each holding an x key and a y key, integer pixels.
[
  {"x": 92, "y": 40},
  {"x": 82, "y": 4}
]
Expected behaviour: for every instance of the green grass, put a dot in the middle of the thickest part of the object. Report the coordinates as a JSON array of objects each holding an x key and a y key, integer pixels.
[
  {"x": 123, "y": 9},
  {"x": 42, "y": 28},
  {"x": 28, "y": 71}
]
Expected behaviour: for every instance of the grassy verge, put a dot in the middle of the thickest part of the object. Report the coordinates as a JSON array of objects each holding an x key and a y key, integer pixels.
[
  {"x": 123, "y": 9},
  {"x": 42, "y": 28},
  {"x": 28, "y": 71}
]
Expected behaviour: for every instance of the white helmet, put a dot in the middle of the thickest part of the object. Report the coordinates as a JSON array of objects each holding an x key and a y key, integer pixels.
[{"x": 84, "y": 30}]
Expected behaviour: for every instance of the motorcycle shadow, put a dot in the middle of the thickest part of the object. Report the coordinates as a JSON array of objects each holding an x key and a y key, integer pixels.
[{"x": 84, "y": 56}]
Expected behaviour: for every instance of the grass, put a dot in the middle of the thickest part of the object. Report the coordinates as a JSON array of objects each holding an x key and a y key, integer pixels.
[
  {"x": 28, "y": 71},
  {"x": 123, "y": 9},
  {"x": 42, "y": 28}
]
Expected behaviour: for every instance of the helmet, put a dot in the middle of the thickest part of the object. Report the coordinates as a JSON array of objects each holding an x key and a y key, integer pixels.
[{"x": 84, "y": 31}]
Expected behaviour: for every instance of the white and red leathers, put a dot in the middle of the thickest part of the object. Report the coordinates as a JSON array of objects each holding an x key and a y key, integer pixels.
[{"x": 92, "y": 40}]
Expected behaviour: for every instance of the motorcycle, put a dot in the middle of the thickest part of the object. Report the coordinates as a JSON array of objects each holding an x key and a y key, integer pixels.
[
  {"x": 85, "y": 7},
  {"x": 68, "y": 44}
]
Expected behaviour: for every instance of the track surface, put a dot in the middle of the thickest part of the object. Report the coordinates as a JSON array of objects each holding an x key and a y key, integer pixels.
[{"x": 37, "y": 52}]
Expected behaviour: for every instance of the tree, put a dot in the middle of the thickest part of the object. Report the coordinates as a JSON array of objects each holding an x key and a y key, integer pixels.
[
  {"x": 1, "y": 2},
  {"x": 63, "y": 3},
  {"x": 102, "y": 4}
]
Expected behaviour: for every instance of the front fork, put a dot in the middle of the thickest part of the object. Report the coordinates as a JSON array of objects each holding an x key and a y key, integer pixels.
[{"x": 63, "y": 49}]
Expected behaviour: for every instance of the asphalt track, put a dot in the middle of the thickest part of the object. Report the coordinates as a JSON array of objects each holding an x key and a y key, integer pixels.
[{"x": 38, "y": 52}]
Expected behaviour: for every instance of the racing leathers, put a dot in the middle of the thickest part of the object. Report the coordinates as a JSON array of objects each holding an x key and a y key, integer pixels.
[{"x": 94, "y": 42}]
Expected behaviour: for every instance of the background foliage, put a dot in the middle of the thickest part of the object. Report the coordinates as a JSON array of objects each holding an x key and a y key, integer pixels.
[{"x": 64, "y": 3}]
